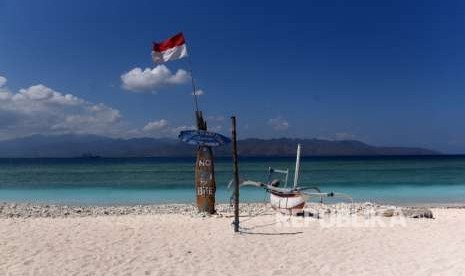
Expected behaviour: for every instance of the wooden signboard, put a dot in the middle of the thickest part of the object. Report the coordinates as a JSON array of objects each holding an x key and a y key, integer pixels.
[{"x": 205, "y": 185}]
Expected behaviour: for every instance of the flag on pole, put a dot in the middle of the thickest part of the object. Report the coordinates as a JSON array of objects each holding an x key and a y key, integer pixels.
[{"x": 170, "y": 49}]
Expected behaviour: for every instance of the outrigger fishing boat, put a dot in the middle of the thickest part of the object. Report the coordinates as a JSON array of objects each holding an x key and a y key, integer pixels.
[{"x": 290, "y": 200}]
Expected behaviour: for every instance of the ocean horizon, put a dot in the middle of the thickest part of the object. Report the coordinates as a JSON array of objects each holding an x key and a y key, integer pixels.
[{"x": 402, "y": 180}]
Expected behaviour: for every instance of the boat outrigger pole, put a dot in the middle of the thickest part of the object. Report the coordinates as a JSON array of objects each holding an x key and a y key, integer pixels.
[{"x": 297, "y": 167}]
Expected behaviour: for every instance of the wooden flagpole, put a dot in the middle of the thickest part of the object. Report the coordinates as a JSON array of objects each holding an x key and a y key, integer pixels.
[{"x": 205, "y": 183}]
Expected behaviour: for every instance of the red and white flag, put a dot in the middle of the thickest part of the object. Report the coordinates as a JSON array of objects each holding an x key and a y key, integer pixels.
[{"x": 170, "y": 49}]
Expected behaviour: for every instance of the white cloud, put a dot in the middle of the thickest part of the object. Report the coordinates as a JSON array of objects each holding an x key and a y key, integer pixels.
[
  {"x": 156, "y": 126},
  {"x": 41, "y": 93},
  {"x": 4, "y": 94},
  {"x": 96, "y": 119},
  {"x": 163, "y": 128},
  {"x": 199, "y": 92},
  {"x": 2, "y": 81},
  {"x": 39, "y": 109},
  {"x": 176, "y": 130},
  {"x": 278, "y": 124},
  {"x": 138, "y": 80}
]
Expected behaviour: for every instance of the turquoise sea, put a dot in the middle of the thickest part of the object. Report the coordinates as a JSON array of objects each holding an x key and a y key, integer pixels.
[{"x": 398, "y": 180}]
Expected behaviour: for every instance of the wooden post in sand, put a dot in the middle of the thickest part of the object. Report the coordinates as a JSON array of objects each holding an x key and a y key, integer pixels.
[
  {"x": 205, "y": 185},
  {"x": 236, "y": 175}
]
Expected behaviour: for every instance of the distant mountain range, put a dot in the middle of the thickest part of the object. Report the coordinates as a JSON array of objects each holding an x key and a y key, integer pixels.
[{"x": 91, "y": 146}]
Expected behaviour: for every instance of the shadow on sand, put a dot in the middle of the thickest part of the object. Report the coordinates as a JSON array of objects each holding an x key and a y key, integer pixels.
[
  {"x": 270, "y": 234},
  {"x": 249, "y": 230}
]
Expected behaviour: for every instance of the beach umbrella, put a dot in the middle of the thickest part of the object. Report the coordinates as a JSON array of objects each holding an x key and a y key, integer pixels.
[{"x": 203, "y": 138}]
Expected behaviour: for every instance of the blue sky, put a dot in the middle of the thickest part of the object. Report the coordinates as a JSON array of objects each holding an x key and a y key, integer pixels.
[{"x": 383, "y": 72}]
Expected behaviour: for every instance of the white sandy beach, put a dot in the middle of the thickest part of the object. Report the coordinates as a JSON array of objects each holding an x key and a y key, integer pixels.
[{"x": 173, "y": 244}]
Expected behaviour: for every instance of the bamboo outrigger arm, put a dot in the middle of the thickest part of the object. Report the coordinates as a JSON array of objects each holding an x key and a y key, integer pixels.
[
  {"x": 297, "y": 190},
  {"x": 330, "y": 194}
]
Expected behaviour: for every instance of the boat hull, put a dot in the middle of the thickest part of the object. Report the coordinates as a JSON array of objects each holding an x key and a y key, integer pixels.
[{"x": 291, "y": 203}]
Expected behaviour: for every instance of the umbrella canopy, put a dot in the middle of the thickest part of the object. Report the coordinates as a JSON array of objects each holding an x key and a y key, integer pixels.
[{"x": 203, "y": 138}]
